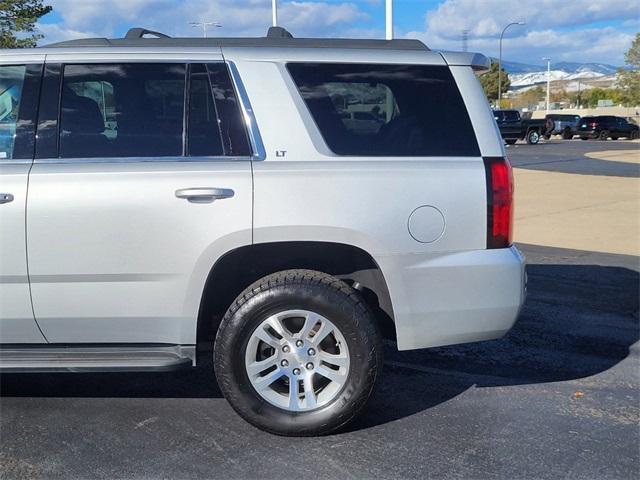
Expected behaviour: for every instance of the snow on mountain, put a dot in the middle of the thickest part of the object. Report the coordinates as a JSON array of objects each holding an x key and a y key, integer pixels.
[{"x": 525, "y": 79}]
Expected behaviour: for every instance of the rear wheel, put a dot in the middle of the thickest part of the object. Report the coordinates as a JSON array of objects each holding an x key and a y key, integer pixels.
[
  {"x": 567, "y": 135},
  {"x": 614, "y": 138},
  {"x": 584, "y": 138},
  {"x": 298, "y": 353},
  {"x": 533, "y": 137},
  {"x": 511, "y": 141},
  {"x": 634, "y": 135},
  {"x": 604, "y": 135}
]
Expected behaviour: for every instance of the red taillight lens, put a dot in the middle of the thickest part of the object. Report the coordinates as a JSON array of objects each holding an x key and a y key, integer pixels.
[
  {"x": 593, "y": 124},
  {"x": 499, "y": 202}
]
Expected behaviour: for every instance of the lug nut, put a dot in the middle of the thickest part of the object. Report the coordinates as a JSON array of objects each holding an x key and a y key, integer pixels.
[
  {"x": 309, "y": 366},
  {"x": 286, "y": 349},
  {"x": 311, "y": 352},
  {"x": 284, "y": 363},
  {"x": 296, "y": 371},
  {"x": 299, "y": 343}
]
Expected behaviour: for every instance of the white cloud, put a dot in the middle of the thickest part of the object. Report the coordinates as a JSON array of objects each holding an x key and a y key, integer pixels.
[
  {"x": 238, "y": 17},
  {"x": 551, "y": 28}
]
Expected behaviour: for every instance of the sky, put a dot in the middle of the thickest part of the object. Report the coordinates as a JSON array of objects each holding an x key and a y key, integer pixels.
[{"x": 569, "y": 30}]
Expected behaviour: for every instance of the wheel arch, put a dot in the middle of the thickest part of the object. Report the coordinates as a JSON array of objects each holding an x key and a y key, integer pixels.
[{"x": 240, "y": 267}]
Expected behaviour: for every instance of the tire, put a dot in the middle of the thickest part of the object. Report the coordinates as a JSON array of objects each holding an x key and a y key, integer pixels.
[
  {"x": 567, "y": 135},
  {"x": 604, "y": 135},
  {"x": 584, "y": 138},
  {"x": 295, "y": 296},
  {"x": 533, "y": 137},
  {"x": 547, "y": 136},
  {"x": 634, "y": 135},
  {"x": 614, "y": 138},
  {"x": 511, "y": 141}
]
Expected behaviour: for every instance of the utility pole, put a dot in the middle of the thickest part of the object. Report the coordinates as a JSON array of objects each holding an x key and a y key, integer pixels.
[
  {"x": 274, "y": 12},
  {"x": 548, "y": 79},
  {"x": 388, "y": 19},
  {"x": 500, "y": 61},
  {"x": 204, "y": 26}
]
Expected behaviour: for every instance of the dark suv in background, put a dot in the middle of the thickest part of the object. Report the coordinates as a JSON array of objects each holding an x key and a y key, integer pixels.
[{"x": 604, "y": 126}]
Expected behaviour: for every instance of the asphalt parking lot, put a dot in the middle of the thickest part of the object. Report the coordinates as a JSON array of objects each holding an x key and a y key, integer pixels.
[{"x": 558, "y": 397}]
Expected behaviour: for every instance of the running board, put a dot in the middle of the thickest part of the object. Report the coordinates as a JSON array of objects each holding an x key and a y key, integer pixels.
[{"x": 103, "y": 358}]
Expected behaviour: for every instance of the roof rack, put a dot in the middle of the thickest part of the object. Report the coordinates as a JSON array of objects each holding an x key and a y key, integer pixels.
[
  {"x": 141, "y": 32},
  {"x": 276, "y": 37}
]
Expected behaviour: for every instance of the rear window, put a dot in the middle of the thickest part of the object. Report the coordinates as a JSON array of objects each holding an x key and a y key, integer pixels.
[
  {"x": 508, "y": 115},
  {"x": 386, "y": 110}
]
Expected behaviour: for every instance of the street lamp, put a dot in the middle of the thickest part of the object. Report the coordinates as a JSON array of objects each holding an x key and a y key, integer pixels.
[
  {"x": 548, "y": 79},
  {"x": 500, "y": 60},
  {"x": 204, "y": 26}
]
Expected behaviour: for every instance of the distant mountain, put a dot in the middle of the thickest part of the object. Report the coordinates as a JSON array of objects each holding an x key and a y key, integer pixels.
[{"x": 567, "y": 67}]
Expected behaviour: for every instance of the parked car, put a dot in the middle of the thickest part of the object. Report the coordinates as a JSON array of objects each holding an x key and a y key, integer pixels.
[
  {"x": 193, "y": 192},
  {"x": 562, "y": 124},
  {"x": 513, "y": 127},
  {"x": 603, "y": 127}
]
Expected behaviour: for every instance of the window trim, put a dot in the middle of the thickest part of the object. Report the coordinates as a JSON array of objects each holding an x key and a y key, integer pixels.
[{"x": 255, "y": 140}]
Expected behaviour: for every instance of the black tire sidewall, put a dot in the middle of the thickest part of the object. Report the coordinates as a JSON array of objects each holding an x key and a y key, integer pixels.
[{"x": 334, "y": 305}]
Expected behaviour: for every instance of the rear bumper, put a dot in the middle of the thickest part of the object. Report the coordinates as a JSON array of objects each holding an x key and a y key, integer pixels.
[
  {"x": 588, "y": 133},
  {"x": 456, "y": 297}
]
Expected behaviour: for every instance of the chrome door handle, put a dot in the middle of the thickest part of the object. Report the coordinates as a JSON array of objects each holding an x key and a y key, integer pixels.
[
  {"x": 6, "y": 198},
  {"x": 204, "y": 194}
]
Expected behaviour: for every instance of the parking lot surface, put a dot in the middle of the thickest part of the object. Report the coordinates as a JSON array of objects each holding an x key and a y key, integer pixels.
[{"x": 558, "y": 397}]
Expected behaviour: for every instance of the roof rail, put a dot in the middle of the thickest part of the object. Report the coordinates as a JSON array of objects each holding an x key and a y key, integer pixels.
[{"x": 137, "y": 32}]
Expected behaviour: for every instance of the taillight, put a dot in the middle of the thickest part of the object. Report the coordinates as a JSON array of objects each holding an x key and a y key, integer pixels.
[
  {"x": 499, "y": 202},
  {"x": 593, "y": 124}
]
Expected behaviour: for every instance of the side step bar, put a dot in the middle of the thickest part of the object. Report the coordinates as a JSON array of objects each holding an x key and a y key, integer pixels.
[{"x": 102, "y": 358}]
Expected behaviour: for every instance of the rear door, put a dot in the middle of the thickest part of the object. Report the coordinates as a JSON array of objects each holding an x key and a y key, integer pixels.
[
  {"x": 19, "y": 88},
  {"x": 142, "y": 184}
]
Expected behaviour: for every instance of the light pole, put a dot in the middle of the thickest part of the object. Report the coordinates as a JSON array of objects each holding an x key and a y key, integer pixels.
[
  {"x": 274, "y": 12},
  {"x": 389, "y": 19},
  {"x": 548, "y": 79},
  {"x": 204, "y": 26},
  {"x": 500, "y": 60}
]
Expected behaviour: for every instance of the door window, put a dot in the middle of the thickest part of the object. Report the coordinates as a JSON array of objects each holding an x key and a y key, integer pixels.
[
  {"x": 122, "y": 110},
  {"x": 11, "y": 84}
]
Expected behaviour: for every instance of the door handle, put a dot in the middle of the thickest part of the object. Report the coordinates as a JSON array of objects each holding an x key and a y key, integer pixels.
[
  {"x": 6, "y": 198},
  {"x": 204, "y": 194}
]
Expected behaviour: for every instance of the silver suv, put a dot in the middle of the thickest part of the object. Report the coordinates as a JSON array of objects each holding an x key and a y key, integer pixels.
[{"x": 291, "y": 200}]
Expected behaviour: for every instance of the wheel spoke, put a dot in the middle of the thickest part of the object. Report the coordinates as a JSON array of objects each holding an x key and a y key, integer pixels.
[
  {"x": 263, "y": 382},
  {"x": 260, "y": 366},
  {"x": 309, "y": 394},
  {"x": 310, "y": 321},
  {"x": 337, "y": 360},
  {"x": 266, "y": 337},
  {"x": 333, "y": 375},
  {"x": 294, "y": 393},
  {"x": 275, "y": 323},
  {"x": 321, "y": 334}
]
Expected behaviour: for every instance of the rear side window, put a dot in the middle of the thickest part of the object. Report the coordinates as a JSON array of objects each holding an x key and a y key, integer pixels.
[
  {"x": 149, "y": 110},
  {"x": 386, "y": 110}
]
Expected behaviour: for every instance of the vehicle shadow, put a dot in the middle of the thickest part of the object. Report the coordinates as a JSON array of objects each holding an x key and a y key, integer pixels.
[{"x": 578, "y": 321}]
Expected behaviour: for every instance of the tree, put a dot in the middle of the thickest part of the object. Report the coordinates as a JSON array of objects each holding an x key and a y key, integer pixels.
[
  {"x": 629, "y": 80},
  {"x": 489, "y": 81},
  {"x": 18, "y": 22}
]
